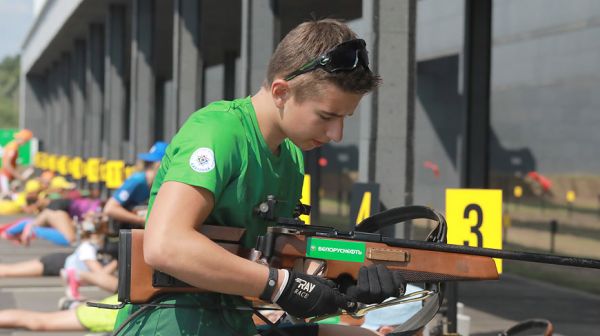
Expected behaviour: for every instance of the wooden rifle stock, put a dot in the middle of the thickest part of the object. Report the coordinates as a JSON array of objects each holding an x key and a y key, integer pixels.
[{"x": 139, "y": 283}]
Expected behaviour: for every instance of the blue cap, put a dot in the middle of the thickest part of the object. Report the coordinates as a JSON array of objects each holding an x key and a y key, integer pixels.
[{"x": 156, "y": 152}]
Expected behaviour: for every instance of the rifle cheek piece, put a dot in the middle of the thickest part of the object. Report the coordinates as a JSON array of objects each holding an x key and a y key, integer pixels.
[{"x": 387, "y": 254}]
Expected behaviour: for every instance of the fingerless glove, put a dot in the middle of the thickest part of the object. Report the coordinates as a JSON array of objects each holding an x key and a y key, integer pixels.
[{"x": 306, "y": 295}]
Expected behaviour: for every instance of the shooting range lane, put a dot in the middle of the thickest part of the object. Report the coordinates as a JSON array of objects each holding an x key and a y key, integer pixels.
[
  {"x": 39, "y": 293},
  {"x": 513, "y": 298},
  {"x": 492, "y": 305}
]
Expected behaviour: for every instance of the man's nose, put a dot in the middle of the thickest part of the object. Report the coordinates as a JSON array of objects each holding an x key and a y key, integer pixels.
[{"x": 335, "y": 130}]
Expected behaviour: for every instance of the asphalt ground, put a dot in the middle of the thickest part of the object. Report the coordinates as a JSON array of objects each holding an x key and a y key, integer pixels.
[
  {"x": 495, "y": 305},
  {"x": 492, "y": 305},
  {"x": 39, "y": 293}
]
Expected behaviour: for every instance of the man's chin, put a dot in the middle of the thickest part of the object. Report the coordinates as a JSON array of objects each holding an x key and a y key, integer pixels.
[{"x": 307, "y": 147}]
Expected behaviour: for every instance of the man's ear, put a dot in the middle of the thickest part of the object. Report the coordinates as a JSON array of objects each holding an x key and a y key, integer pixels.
[{"x": 280, "y": 91}]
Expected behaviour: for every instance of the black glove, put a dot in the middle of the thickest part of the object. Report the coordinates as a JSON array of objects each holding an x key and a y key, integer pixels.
[
  {"x": 307, "y": 295},
  {"x": 376, "y": 283}
]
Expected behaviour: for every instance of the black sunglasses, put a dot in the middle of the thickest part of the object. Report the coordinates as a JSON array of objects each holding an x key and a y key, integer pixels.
[{"x": 344, "y": 57}]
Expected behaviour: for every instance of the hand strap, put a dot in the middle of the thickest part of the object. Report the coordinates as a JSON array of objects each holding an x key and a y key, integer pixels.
[{"x": 270, "y": 286}]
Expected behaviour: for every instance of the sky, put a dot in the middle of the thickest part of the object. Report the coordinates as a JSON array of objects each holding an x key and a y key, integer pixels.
[{"x": 16, "y": 17}]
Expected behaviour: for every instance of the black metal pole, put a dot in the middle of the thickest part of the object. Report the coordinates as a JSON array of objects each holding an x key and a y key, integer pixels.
[{"x": 475, "y": 149}]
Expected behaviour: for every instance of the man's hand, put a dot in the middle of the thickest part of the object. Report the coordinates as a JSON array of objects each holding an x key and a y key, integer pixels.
[
  {"x": 307, "y": 295},
  {"x": 376, "y": 283}
]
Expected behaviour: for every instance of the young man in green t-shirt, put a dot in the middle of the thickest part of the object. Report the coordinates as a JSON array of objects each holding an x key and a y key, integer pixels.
[{"x": 225, "y": 160}]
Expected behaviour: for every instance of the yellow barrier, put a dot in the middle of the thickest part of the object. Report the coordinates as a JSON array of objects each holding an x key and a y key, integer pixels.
[
  {"x": 51, "y": 166},
  {"x": 93, "y": 170},
  {"x": 115, "y": 173}
]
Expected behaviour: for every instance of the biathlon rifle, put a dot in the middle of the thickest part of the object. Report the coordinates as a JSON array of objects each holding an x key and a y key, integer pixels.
[
  {"x": 291, "y": 243},
  {"x": 339, "y": 254}
]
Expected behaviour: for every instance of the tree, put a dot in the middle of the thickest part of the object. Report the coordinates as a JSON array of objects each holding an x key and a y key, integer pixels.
[{"x": 9, "y": 92}]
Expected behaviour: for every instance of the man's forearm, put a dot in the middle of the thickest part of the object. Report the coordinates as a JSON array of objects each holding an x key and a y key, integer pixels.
[
  {"x": 123, "y": 215},
  {"x": 195, "y": 259},
  {"x": 12, "y": 171}
]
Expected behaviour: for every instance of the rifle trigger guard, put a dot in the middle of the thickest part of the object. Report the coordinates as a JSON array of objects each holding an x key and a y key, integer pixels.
[
  {"x": 412, "y": 297},
  {"x": 364, "y": 309}
]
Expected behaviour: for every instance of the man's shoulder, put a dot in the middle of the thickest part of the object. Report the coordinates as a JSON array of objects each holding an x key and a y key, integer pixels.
[
  {"x": 219, "y": 120},
  {"x": 219, "y": 111},
  {"x": 10, "y": 147},
  {"x": 136, "y": 178}
]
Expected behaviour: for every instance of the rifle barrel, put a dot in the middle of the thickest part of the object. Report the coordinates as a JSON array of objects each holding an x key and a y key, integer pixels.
[{"x": 494, "y": 253}]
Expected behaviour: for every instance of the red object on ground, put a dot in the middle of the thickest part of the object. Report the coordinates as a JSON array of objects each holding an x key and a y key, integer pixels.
[
  {"x": 434, "y": 168},
  {"x": 73, "y": 284},
  {"x": 8, "y": 225},
  {"x": 542, "y": 180}
]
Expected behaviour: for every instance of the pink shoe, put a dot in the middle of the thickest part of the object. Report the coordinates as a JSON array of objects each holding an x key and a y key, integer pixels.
[
  {"x": 15, "y": 239},
  {"x": 7, "y": 226},
  {"x": 73, "y": 284},
  {"x": 11, "y": 238},
  {"x": 27, "y": 235}
]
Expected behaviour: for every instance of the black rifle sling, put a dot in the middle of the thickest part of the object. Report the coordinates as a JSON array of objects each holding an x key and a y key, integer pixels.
[{"x": 402, "y": 214}]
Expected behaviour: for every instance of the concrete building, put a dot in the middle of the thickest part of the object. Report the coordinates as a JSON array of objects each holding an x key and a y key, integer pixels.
[
  {"x": 543, "y": 101},
  {"x": 108, "y": 78},
  {"x": 476, "y": 93}
]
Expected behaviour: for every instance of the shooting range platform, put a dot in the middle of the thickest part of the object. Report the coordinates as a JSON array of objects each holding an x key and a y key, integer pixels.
[{"x": 492, "y": 305}]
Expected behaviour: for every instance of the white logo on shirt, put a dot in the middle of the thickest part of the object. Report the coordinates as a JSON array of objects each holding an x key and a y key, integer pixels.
[
  {"x": 124, "y": 195},
  {"x": 202, "y": 160}
]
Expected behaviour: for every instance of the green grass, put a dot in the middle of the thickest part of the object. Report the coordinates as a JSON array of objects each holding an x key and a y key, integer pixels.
[
  {"x": 563, "y": 229},
  {"x": 538, "y": 205},
  {"x": 584, "y": 279},
  {"x": 587, "y": 280},
  {"x": 563, "y": 276},
  {"x": 9, "y": 88}
]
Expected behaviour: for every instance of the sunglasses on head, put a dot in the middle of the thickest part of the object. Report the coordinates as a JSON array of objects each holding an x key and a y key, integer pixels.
[{"x": 344, "y": 57}]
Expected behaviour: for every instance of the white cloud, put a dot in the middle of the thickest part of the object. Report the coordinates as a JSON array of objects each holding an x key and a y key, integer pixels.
[
  {"x": 16, "y": 17},
  {"x": 18, "y": 7}
]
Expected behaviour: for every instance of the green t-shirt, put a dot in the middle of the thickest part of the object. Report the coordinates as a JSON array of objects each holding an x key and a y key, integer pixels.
[{"x": 221, "y": 149}]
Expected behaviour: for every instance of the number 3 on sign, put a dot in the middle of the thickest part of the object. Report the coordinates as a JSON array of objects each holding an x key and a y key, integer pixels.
[{"x": 474, "y": 218}]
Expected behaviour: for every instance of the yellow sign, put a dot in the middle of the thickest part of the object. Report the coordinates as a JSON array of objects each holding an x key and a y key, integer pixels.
[
  {"x": 70, "y": 166},
  {"x": 115, "y": 171},
  {"x": 76, "y": 168},
  {"x": 51, "y": 162},
  {"x": 570, "y": 196},
  {"x": 61, "y": 165},
  {"x": 93, "y": 170},
  {"x": 103, "y": 171},
  {"x": 45, "y": 160},
  {"x": 37, "y": 160},
  {"x": 42, "y": 162},
  {"x": 364, "y": 211},
  {"x": 305, "y": 197},
  {"x": 474, "y": 218},
  {"x": 518, "y": 191}
]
